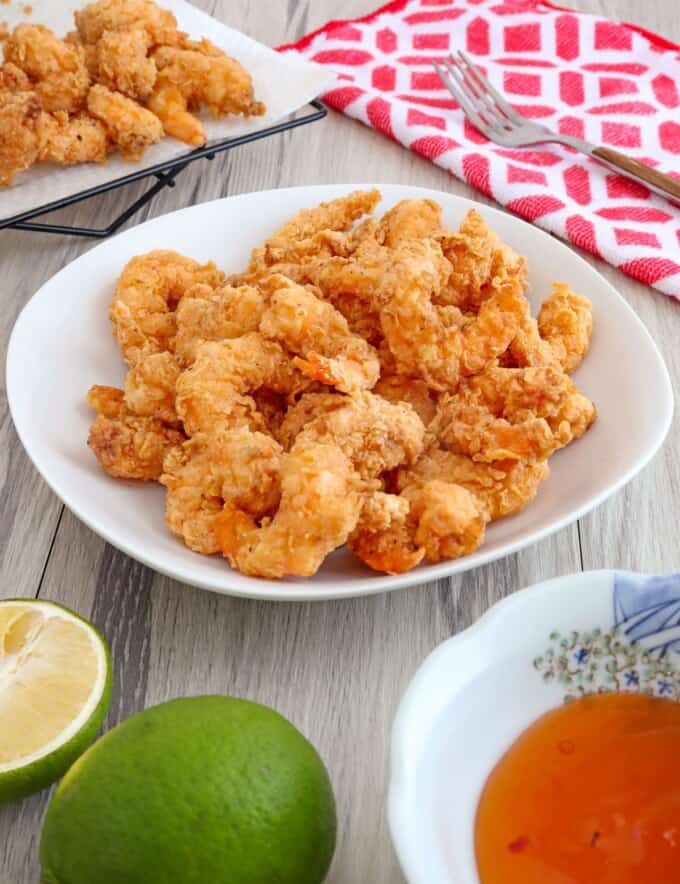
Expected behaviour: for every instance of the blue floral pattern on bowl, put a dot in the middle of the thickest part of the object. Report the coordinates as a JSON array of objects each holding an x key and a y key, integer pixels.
[{"x": 639, "y": 653}]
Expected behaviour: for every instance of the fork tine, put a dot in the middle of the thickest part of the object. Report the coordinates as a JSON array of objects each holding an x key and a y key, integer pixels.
[
  {"x": 489, "y": 114},
  {"x": 504, "y": 105},
  {"x": 462, "y": 99},
  {"x": 484, "y": 105}
]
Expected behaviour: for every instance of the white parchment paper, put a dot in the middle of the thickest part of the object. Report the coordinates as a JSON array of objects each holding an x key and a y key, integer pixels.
[{"x": 284, "y": 83}]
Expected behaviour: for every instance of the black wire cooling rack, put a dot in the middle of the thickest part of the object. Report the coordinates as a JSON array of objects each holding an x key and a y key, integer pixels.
[{"x": 165, "y": 173}]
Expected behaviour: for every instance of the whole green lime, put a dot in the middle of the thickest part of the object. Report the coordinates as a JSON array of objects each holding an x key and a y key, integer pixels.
[{"x": 202, "y": 790}]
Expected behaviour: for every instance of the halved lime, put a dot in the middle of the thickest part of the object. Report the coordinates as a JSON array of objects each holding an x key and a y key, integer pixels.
[{"x": 55, "y": 689}]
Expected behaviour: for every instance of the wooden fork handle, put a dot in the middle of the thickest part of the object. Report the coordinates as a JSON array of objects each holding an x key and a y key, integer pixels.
[{"x": 656, "y": 181}]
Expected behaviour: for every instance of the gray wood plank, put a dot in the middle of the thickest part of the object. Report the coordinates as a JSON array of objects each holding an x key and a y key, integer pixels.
[{"x": 337, "y": 669}]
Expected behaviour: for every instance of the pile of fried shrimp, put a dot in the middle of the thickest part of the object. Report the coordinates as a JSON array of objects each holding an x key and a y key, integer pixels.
[
  {"x": 124, "y": 77},
  {"x": 375, "y": 382}
]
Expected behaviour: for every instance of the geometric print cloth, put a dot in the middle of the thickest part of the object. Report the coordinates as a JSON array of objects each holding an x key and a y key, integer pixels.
[{"x": 610, "y": 83}]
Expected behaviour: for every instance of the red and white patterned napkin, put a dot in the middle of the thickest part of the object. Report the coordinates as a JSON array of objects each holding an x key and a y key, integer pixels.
[{"x": 610, "y": 83}]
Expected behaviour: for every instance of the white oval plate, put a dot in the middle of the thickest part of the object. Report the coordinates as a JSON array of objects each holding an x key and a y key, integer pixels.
[{"x": 62, "y": 344}]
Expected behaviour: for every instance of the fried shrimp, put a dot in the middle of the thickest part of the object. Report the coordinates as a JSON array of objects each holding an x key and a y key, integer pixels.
[
  {"x": 229, "y": 466},
  {"x": 320, "y": 505},
  {"x": 314, "y": 330},
  {"x": 122, "y": 63},
  {"x": 128, "y": 446},
  {"x": 513, "y": 414},
  {"x": 477, "y": 258},
  {"x": 435, "y": 520},
  {"x": 68, "y": 140},
  {"x": 150, "y": 386},
  {"x": 20, "y": 138},
  {"x": 323, "y": 484},
  {"x": 13, "y": 79},
  {"x": 56, "y": 68},
  {"x": 560, "y": 337},
  {"x": 219, "y": 385},
  {"x": 208, "y": 314},
  {"x": 189, "y": 79},
  {"x": 146, "y": 297},
  {"x": 111, "y": 15},
  {"x": 308, "y": 407},
  {"x": 399, "y": 388},
  {"x": 503, "y": 487},
  {"x": 440, "y": 344},
  {"x": 129, "y": 125},
  {"x": 299, "y": 238}
]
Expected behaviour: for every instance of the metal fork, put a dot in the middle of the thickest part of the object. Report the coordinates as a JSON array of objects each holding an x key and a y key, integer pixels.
[{"x": 499, "y": 121}]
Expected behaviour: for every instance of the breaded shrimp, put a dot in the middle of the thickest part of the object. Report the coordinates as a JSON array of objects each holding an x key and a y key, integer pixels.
[
  {"x": 308, "y": 407},
  {"x": 227, "y": 466},
  {"x": 560, "y": 337},
  {"x": 110, "y": 15},
  {"x": 56, "y": 68},
  {"x": 13, "y": 79},
  {"x": 314, "y": 330},
  {"x": 504, "y": 487},
  {"x": 147, "y": 294},
  {"x": 434, "y": 520},
  {"x": 129, "y": 125},
  {"x": 20, "y": 138},
  {"x": 128, "y": 446},
  {"x": 477, "y": 258},
  {"x": 297, "y": 238},
  {"x": 399, "y": 388},
  {"x": 219, "y": 385},
  {"x": 439, "y": 344},
  {"x": 68, "y": 140},
  {"x": 122, "y": 63},
  {"x": 208, "y": 314},
  {"x": 409, "y": 219},
  {"x": 150, "y": 386},
  {"x": 324, "y": 478},
  {"x": 320, "y": 504},
  {"x": 189, "y": 79},
  {"x": 513, "y": 414},
  {"x": 170, "y": 106}
]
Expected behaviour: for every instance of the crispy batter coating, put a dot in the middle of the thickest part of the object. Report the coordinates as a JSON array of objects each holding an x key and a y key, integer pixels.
[
  {"x": 200, "y": 76},
  {"x": 325, "y": 348},
  {"x": 298, "y": 238},
  {"x": 205, "y": 313},
  {"x": 110, "y": 15},
  {"x": 440, "y": 521},
  {"x": 479, "y": 260},
  {"x": 150, "y": 386},
  {"x": 122, "y": 62},
  {"x": 503, "y": 487},
  {"x": 129, "y": 125},
  {"x": 68, "y": 140},
  {"x": 399, "y": 388},
  {"x": 307, "y": 408},
  {"x": 20, "y": 114},
  {"x": 56, "y": 68},
  {"x": 440, "y": 344},
  {"x": 13, "y": 79},
  {"x": 147, "y": 294},
  {"x": 560, "y": 336},
  {"x": 128, "y": 446},
  {"x": 322, "y": 479},
  {"x": 218, "y": 387},
  {"x": 226, "y": 466},
  {"x": 513, "y": 414}
]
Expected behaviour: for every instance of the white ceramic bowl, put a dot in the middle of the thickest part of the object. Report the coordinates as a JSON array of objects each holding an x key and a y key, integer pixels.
[
  {"x": 478, "y": 691},
  {"x": 62, "y": 343}
]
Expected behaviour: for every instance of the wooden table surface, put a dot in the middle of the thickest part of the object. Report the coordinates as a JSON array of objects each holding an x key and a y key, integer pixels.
[{"x": 336, "y": 669}]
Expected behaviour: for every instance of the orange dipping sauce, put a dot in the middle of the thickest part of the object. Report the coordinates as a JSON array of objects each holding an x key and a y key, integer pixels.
[{"x": 589, "y": 794}]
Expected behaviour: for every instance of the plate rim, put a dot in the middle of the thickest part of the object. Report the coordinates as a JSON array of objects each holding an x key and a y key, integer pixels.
[{"x": 273, "y": 590}]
